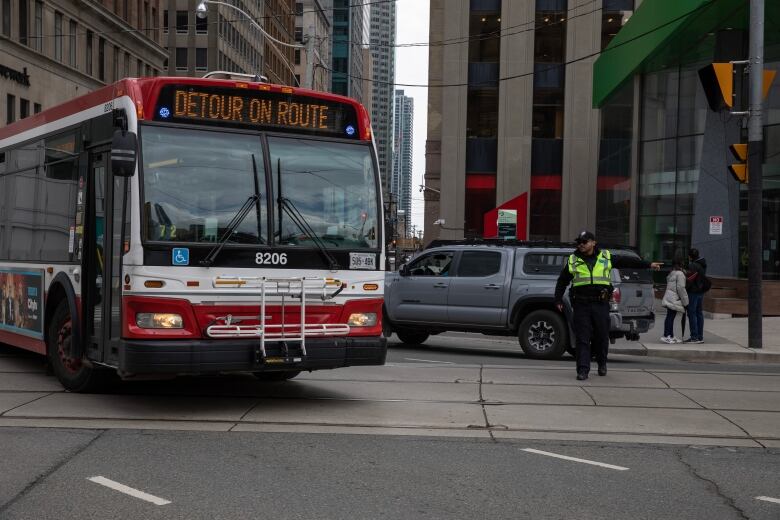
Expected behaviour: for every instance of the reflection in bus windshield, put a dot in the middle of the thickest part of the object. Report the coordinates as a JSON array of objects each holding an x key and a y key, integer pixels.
[
  {"x": 331, "y": 185},
  {"x": 196, "y": 181}
]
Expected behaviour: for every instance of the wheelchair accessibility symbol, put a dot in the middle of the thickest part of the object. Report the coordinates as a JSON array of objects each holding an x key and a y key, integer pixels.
[{"x": 181, "y": 256}]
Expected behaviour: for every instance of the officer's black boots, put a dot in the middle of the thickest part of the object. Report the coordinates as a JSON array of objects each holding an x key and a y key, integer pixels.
[
  {"x": 582, "y": 376},
  {"x": 603, "y": 369}
]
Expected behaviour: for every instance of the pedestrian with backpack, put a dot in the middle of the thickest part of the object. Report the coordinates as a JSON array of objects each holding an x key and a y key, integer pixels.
[
  {"x": 675, "y": 300},
  {"x": 697, "y": 284}
]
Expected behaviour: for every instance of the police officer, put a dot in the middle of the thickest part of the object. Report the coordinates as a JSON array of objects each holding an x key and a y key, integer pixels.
[{"x": 589, "y": 270}]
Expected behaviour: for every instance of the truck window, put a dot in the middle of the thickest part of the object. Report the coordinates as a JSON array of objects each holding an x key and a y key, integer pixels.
[
  {"x": 479, "y": 263},
  {"x": 436, "y": 264},
  {"x": 544, "y": 263}
]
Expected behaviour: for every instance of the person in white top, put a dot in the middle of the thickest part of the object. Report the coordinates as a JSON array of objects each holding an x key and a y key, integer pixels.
[{"x": 675, "y": 300}]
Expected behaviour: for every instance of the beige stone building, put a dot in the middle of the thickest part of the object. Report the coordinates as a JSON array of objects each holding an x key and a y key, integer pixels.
[
  {"x": 224, "y": 39},
  {"x": 511, "y": 121},
  {"x": 52, "y": 51},
  {"x": 313, "y": 19}
]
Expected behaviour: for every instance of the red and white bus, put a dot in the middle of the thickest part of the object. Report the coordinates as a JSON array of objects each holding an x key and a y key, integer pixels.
[{"x": 164, "y": 226}]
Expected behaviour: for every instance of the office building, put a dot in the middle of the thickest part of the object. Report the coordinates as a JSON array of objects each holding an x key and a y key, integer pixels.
[
  {"x": 383, "y": 29},
  {"x": 351, "y": 29},
  {"x": 75, "y": 46},
  {"x": 401, "y": 185},
  {"x": 313, "y": 19}
]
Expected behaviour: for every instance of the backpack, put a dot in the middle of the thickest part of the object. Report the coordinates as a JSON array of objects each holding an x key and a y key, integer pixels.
[{"x": 698, "y": 282}]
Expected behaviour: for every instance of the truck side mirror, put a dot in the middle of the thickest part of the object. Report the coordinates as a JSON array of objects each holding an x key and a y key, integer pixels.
[
  {"x": 124, "y": 150},
  {"x": 403, "y": 270}
]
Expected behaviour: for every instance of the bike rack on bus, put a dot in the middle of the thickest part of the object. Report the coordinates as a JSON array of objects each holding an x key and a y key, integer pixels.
[{"x": 297, "y": 288}]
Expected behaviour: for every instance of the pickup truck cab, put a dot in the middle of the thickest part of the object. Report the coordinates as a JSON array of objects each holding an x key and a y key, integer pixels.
[{"x": 497, "y": 290}]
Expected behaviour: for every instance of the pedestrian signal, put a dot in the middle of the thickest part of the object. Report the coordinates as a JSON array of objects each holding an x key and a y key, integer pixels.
[{"x": 739, "y": 170}]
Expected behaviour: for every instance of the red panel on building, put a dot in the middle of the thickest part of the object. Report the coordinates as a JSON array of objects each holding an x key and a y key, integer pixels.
[{"x": 519, "y": 203}]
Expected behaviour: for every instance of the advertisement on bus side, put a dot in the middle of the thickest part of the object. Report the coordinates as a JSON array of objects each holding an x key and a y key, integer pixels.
[{"x": 21, "y": 296}]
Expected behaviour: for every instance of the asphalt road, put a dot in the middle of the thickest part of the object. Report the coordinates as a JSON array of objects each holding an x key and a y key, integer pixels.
[
  {"x": 294, "y": 473},
  {"x": 44, "y": 475}
]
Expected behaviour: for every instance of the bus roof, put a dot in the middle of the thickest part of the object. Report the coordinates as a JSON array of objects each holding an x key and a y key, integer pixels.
[{"x": 144, "y": 92}]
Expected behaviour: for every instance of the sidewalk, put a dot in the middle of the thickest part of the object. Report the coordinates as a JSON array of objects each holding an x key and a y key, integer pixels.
[{"x": 725, "y": 341}]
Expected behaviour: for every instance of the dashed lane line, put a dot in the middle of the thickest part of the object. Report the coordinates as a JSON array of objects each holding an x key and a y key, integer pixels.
[
  {"x": 769, "y": 499},
  {"x": 574, "y": 459},
  {"x": 116, "y": 486}
]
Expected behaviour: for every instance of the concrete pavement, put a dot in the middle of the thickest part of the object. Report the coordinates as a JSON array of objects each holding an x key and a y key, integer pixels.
[
  {"x": 491, "y": 402},
  {"x": 725, "y": 341}
]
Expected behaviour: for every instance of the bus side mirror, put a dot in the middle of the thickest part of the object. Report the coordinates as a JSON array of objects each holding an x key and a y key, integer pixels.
[{"x": 124, "y": 150}]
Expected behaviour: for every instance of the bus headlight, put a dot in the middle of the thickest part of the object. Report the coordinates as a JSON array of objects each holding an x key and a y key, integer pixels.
[
  {"x": 362, "y": 319},
  {"x": 148, "y": 320}
]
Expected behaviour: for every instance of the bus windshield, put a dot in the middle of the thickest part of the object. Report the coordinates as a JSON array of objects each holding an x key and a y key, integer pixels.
[
  {"x": 195, "y": 181},
  {"x": 331, "y": 185}
]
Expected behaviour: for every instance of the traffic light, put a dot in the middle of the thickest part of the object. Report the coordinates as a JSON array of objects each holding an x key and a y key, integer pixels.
[
  {"x": 739, "y": 170},
  {"x": 720, "y": 87},
  {"x": 726, "y": 85}
]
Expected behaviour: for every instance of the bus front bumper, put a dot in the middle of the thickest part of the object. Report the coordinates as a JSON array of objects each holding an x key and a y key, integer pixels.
[{"x": 211, "y": 357}]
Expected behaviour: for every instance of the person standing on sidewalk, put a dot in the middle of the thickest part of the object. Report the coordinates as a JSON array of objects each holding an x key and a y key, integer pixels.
[
  {"x": 697, "y": 271},
  {"x": 589, "y": 270},
  {"x": 675, "y": 300}
]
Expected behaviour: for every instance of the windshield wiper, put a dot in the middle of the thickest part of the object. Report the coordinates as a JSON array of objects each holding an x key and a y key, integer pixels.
[
  {"x": 236, "y": 220},
  {"x": 300, "y": 221}
]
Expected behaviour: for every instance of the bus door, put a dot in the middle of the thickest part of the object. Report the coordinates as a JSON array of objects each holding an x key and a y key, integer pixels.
[{"x": 102, "y": 257}]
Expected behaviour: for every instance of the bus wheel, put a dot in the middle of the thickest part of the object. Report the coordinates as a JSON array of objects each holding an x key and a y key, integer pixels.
[
  {"x": 271, "y": 377},
  {"x": 72, "y": 373}
]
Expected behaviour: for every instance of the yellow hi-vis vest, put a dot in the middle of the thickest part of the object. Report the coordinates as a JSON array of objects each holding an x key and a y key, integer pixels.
[{"x": 601, "y": 274}]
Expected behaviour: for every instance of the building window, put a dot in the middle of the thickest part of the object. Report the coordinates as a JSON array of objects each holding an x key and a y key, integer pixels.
[
  {"x": 127, "y": 64},
  {"x": 37, "y": 107},
  {"x": 24, "y": 108},
  {"x": 147, "y": 20},
  {"x": 165, "y": 21},
  {"x": 102, "y": 59},
  {"x": 90, "y": 37},
  {"x": 154, "y": 27},
  {"x": 298, "y": 8},
  {"x": 182, "y": 22},
  {"x": 10, "y": 109},
  {"x": 116, "y": 63},
  {"x": 38, "y": 42},
  {"x": 202, "y": 25},
  {"x": 201, "y": 59},
  {"x": 299, "y": 34},
  {"x": 181, "y": 58},
  {"x": 126, "y": 10},
  {"x": 58, "y": 38},
  {"x": 72, "y": 50},
  {"x": 23, "y": 22},
  {"x": 7, "y": 18},
  {"x": 297, "y": 56},
  {"x": 139, "y": 68}
]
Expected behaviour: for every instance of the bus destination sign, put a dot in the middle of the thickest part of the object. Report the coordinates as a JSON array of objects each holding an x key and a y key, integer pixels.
[{"x": 257, "y": 108}]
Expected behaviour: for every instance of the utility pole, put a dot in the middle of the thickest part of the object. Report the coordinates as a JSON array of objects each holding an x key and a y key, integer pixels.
[
  {"x": 309, "y": 80},
  {"x": 755, "y": 180}
]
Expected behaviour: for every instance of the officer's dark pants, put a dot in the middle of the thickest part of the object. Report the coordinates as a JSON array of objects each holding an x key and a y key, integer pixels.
[{"x": 591, "y": 326}]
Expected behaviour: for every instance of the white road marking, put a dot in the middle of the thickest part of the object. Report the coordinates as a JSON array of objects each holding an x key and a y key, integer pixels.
[
  {"x": 116, "y": 486},
  {"x": 769, "y": 499},
  {"x": 564, "y": 457},
  {"x": 429, "y": 361}
]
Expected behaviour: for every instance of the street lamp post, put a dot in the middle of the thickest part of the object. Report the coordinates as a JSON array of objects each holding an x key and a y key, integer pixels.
[{"x": 202, "y": 9}]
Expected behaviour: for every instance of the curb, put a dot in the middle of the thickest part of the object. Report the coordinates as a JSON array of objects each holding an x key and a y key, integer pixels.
[{"x": 727, "y": 356}]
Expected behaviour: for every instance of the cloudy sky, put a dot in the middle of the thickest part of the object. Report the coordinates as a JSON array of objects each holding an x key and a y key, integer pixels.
[{"x": 411, "y": 67}]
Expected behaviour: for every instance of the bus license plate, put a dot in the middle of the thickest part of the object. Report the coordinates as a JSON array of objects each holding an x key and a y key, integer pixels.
[{"x": 362, "y": 261}]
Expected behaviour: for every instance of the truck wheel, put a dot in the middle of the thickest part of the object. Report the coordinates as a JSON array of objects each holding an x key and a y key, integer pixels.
[
  {"x": 273, "y": 377},
  {"x": 542, "y": 335},
  {"x": 73, "y": 374},
  {"x": 412, "y": 337}
]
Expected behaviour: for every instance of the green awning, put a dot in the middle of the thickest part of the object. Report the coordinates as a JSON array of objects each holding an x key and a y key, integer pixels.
[{"x": 663, "y": 33}]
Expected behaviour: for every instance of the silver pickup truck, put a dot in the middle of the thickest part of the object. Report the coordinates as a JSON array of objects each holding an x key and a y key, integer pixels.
[{"x": 504, "y": 290}]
